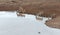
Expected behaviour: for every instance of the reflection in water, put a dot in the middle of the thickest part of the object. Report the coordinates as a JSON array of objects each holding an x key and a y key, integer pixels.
[
  {"x": 39, "y": 18},
  {"x": 20, "y": 14},
  {"x": 11, "y": 24},
  {"x": 23, "y": 15}
]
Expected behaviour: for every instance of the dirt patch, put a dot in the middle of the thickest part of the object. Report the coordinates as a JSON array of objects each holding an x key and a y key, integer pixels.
[{"x": 54, "y": 23}]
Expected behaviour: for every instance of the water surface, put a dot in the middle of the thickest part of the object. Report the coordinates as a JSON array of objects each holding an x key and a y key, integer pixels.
[{"x": 11, "y": 24}]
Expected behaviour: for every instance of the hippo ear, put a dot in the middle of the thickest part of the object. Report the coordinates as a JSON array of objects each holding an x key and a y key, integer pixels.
[{"x": 54, "y": 23}]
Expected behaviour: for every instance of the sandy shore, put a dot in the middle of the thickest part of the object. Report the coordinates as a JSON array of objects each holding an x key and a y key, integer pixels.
[{"x": 54, "y": 23}]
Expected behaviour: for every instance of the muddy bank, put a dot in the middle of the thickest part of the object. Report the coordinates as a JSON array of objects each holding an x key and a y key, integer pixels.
[
  {"x": 54, "y": 23},
  {"x": 48, "y": 7}
]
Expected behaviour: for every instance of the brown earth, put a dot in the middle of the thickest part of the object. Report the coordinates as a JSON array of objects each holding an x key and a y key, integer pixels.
[
  {"x": 54, "y": 23},
  {"x": 48, "y": 7}
]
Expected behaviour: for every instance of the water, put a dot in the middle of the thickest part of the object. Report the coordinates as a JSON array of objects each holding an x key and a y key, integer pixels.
[{"x": 11, "y": 24}]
